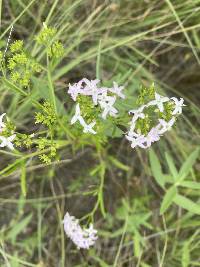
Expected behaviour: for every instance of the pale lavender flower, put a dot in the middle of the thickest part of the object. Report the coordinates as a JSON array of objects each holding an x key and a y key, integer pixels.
[
  {"x": 75, "y": 90},
  {"x": 178, "y": 105},
  {"x": 117, "y": 90},
  {"x": 2, "y": 124},
  {"x": 7, "y": 141},
  {"x": 82, "y": 238},
  {"x": 166, "y": 126},
  {"x": 158, "y": 101},
  {"x": 152, "y": 136},
  {"x": 92, "y": 89}
]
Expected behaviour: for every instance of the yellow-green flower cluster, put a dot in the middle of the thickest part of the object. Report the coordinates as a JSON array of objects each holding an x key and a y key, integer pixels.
[
  {"x": 51, "y": 146},
  {"x": 21, "y": 65},
  {"x": 47, "y": 37},
  {"x": 24, "y": 140},
  {"x": 47, "y": 116}
]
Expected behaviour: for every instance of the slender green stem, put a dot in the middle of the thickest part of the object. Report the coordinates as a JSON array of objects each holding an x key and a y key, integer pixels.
[{"x": 51, "y": 87}]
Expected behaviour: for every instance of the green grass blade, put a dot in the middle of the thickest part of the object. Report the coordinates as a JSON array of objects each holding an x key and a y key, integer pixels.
[
  {"x": 187, "y": 165},
  {"x": 183, "y": 29},
  {"x": 156, "y": 168},
  {"x": 168, "y": 199},
  {"x": 171, "y": 166},
  {"x": 187, "y": 204}
]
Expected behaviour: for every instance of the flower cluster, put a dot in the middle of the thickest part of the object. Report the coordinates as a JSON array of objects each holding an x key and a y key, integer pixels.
[
  {"x": 47, "y": 37},
  {"x": 103, "y": 97},
  {"x": 6, "y": 141},
  {"x": 82, "y": 238},
  {"x": 21, "y": 65},
  {"x": 162, "y": 105}
]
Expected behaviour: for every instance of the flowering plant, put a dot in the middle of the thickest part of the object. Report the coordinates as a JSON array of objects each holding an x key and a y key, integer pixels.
[{"x": 96, "y": 111}]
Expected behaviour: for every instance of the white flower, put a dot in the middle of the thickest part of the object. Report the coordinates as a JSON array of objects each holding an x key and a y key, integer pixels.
[
  {"x": 159, "y": 100},
  {"x": 178, "y": 105},
  {"x": 117, "y": 90},
  {"x": 77, "y": 116},
  {"x": 166, "y": 126},
  {"x": 7, "y": 141},
  {"x": 152, "y": 136},
  {"x": 87, "y": 128},
  {"x": 102, "y": 98},
  {"x": 138, "y": 113},
  {"x": 132, "y": 134},
  {"x": 82, "y": 238},
  {"x": 108, "y": 107},
  {"x": 2, "y": 124},
  {"x": 139, "y": 140}
]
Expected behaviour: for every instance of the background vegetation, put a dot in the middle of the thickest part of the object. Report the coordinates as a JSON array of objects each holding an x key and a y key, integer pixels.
[{"x": 135, "y": 42}]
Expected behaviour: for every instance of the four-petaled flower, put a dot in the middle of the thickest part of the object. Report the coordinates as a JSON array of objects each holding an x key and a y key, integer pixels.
[
  {"x": 87, "y": 128},
  {"x": 116, "y": 89},
  {"x": 166, "y": 126},
  {"x": 138, "y": 113},
  {"x": 152, "y": 136},
  {"x": 159, "y": 100},
  {"x": 77, "y": 116},
  {"x": 7, "y": 141},
  {"x": 91, "y": 89},
  {"x": 75, "y": 89},
  {"x": 137, "y": 141},
  {"x": 178, "y": 105},
  {"x": 108, "y": 107}
]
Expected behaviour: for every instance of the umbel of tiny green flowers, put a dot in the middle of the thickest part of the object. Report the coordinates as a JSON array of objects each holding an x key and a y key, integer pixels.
[
  {"x": 82, "y": 238},
  {"x": 6, "y": 141},
  {"x": 47, "y": 37},
  {"x": 159, "y": 104},
  {"x": 21, "y": 65},
  {"x": 102, "y": 97}
]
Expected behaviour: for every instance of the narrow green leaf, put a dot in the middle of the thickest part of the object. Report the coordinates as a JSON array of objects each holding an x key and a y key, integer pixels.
[
  {"x": 156, "y": 168},
  {"x": 190, "y": 184},
  {"x": 136, "y": 247},
  {"x": 168, "y": 199},
  {"x": 171, "y": 166},
  {"x": 187, "y": 204},
  {"x": 10, "y": 168},
  {"x": 19, "y": 227},
  {"x": 185, "y": 260},
  {"x": 98, "y": 75},
  {"x": 118, "y": 164},
  {"x": 187, "y": 165},
  {"x": 13, "y": 87},
  {"x": 23, "y": 179}
]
